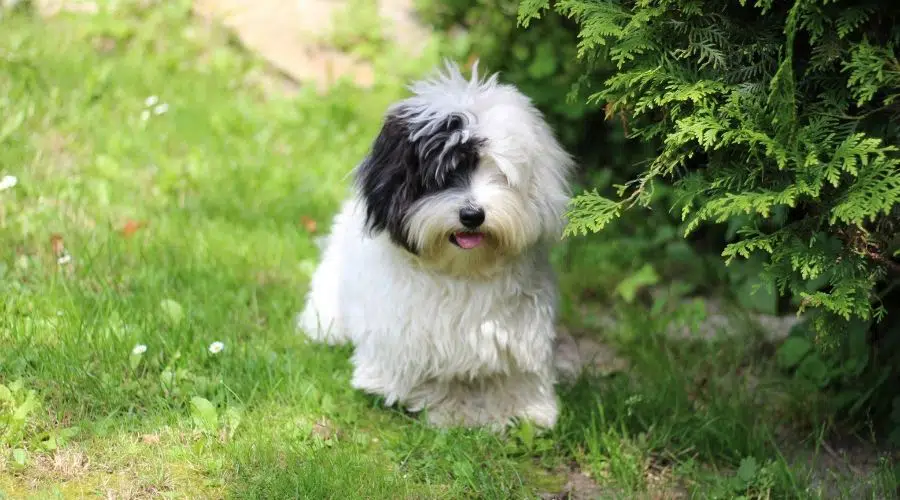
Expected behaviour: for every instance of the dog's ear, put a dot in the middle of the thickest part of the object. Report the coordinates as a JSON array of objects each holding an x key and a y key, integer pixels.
[
  {"x": 446, "y": 148},
  {"x": 387, "y": 178}
]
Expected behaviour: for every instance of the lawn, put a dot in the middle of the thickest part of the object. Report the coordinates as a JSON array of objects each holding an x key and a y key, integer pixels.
[{"x": 157, "y": 244}]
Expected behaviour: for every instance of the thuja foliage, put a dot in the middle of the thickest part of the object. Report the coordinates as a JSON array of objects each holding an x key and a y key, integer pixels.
[
  {"x": 777, "y": 119},
  {"x": 781, "y": 119}
]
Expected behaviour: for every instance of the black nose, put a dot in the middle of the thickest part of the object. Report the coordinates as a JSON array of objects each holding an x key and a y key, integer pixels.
[{"x": 471, "y": 217}]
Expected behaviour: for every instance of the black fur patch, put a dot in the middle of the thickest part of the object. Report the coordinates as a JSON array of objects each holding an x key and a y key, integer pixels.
[{"x": 399, "y": 170}]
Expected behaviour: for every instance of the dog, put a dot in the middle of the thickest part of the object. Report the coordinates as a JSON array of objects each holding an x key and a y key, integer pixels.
[{"x": 437, "y": 267}]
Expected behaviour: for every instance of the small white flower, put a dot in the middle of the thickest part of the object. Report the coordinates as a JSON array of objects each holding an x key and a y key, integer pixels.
[
  {"x": 153, "y": 106},
  {"x": 8, "y": 182},
  {"x": 139, "y": 349},
  {"x": 59, "y": 313},
  {"x": 216, "y": 347},
  {"x": 64, "y": 259}
]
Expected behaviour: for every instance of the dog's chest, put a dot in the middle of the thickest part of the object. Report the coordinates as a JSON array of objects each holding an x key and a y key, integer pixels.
[{"x": 468, "y": 329}]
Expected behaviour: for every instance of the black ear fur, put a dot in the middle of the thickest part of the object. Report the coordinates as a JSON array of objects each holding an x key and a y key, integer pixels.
[
  {"x": 386, "y": 179},
  {"x": 409, "y": 160},
  {"x": 447, "y": 151}
]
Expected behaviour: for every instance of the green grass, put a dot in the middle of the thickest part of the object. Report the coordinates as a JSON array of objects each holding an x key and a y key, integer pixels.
[{"x": 192, "y": 227}]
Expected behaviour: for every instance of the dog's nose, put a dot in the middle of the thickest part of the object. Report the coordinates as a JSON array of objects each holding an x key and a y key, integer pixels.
[{"x": 471, "y": 217}]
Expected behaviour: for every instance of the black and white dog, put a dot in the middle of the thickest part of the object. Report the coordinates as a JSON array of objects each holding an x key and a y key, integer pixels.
[{"x": 437, "y": 267}]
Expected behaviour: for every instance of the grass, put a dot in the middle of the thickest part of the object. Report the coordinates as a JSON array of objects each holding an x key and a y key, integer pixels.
[{"x": 173, "y": 228}]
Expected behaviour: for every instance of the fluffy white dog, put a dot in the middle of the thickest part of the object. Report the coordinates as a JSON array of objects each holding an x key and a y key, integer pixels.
[{"x": 437, "y": 267}]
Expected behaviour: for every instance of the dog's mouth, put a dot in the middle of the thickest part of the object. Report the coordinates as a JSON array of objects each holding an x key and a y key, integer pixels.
[{"x": 466, "y": 240}]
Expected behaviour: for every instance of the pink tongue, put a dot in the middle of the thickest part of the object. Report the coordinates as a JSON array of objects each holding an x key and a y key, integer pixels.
[{"x": 468, "y": 240}]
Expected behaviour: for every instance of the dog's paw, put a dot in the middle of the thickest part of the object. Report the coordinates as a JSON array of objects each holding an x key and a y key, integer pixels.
[
  {"x": 497, "y": 408},
  {"x": 310, "y": 323},
  {"x": 541, "y": 413},
  {"x": 450, "y": 415}
]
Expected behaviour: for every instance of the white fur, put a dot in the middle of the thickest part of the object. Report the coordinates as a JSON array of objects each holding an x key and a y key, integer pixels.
[{"x": 467, "y": 335}]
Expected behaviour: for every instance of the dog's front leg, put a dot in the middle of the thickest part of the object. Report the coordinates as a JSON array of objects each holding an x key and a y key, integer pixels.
[
  {"x": 387, "y": 371},
  {"x": 495, "y": 402}
]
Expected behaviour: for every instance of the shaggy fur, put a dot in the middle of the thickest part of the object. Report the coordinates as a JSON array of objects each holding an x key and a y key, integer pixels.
[{"x": 437, "y": 266}]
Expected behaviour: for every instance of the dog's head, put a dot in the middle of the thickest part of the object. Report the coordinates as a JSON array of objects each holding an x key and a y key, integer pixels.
[{"x": 465, "y": 174}]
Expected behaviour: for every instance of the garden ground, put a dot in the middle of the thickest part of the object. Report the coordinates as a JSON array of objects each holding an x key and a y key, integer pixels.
[{"x": 156, "y": 244}]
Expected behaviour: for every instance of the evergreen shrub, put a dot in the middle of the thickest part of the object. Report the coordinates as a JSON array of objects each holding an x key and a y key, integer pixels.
[{"x": 779, "y": 122}]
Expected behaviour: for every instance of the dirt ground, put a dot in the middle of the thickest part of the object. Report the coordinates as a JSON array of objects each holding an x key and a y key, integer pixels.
[{"x": 288, "y": 34}]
